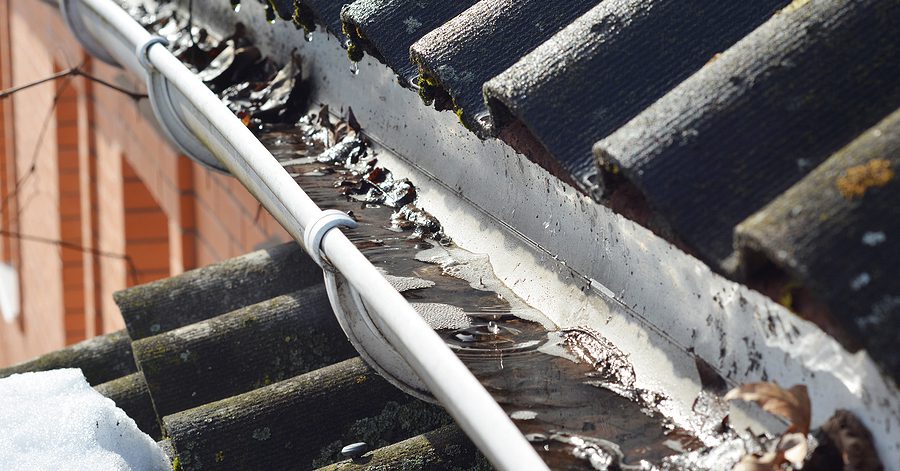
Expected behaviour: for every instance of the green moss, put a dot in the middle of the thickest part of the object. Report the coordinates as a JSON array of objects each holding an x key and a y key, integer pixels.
[
  {"x": 354, "y": 37},
  {"x": 396, "y": 422},
  {"x": 176, "y": 464},
  {"x": 303, "y": 17}
]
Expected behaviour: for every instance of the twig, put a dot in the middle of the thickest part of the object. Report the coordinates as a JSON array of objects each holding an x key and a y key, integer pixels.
[
  {"x": 73, "y": 246},
  {"x": 76, "y": 71}
]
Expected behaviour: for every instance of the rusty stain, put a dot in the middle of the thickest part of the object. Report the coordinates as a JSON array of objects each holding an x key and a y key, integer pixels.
[{"x": 858, "y": 179}]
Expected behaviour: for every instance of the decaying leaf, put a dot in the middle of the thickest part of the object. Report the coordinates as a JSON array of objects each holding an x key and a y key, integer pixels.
[
  {"x": 794, "y": 447},
  {"x": 767, "y": 462},
  {"x": 792, "y": 404}
]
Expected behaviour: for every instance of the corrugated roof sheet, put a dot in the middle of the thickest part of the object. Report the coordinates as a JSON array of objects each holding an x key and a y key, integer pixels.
[
  {"x": 690, "y": 142},
  {"x": 481, "y": 42},
  {"x": 267, "y": 383}
]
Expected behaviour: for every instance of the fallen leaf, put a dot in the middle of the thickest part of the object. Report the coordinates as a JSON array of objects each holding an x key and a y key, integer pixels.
[
  {"x": 792, "y": 404},
  {"x": 794, "y": 447},
  {"x": 770, "y": 461}
]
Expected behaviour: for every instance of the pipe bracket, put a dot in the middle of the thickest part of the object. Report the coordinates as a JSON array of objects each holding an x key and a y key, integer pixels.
[
  {"x": 353, "y": 314},
  {"x": 164, "y": 100},
  {"x": 313, "y": 234},
  {"x": 142, "y": 51},
  {"x": 355, "y": 320},
  {"x": 73, "y": 20}
]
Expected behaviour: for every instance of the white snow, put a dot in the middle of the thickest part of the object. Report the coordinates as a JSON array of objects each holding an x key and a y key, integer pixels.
[{"x": 55, "y": 420}]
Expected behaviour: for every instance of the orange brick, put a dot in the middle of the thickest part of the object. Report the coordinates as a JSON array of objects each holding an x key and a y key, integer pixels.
[
  {"x": 149, "y": 256},
  {"x": 69, "y": 255},
  {"x": 67, "y": 137},
  {"x": 188, "y": 248},
  {"x": 148, "y": 276},
  {"x": 72, "y": 274},
  {"x": 137, "y": 196},
  {"x": 146, "y": 225},
  {"x": 188, "y": 210},
  {"x": 66, "y": 112},
  {"x": 185, "y": 173}
]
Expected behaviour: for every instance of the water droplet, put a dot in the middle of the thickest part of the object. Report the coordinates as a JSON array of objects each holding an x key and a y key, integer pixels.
[
  {"x": 354, "y": 68},
  {"x": 355, "y": 450},
  {"x": 493, "y": 328}
]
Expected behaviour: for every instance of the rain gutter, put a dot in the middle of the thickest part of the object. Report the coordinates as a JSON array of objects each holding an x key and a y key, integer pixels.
[{"x": 201, "y": 126}]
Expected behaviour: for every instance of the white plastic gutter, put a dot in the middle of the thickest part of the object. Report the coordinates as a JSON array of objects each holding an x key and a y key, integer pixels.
[{"x": 109, "y": 32}]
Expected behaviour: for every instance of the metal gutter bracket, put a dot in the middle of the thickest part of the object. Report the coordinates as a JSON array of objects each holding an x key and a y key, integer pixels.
[
  {"x": 74, "y": 21},
  {"x": 353, "y": 314},
  {"x": 167, "y": 114}
]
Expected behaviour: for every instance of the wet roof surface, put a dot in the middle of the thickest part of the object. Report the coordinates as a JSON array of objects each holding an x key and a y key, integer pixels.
[
  {"x": 269, "y": 382},
  {"x": 241, "y": 365},
  {"x": 700, "y": 116}
]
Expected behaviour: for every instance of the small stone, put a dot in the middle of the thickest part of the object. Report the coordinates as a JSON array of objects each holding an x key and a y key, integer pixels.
[{"x": 355, "y": 450}]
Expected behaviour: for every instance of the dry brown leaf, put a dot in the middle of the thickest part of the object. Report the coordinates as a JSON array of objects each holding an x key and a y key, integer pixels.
[
  {"x": 769, "y": 462},
  {"x": 792, "y": 404},
  {"x": 794, "y": 447}
]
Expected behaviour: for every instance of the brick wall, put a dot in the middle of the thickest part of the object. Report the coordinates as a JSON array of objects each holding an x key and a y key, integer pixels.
[{"x": 106, "y": 188}]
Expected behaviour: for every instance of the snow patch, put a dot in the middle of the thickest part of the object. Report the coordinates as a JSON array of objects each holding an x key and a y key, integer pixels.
[{"x": 56, "y": 420}]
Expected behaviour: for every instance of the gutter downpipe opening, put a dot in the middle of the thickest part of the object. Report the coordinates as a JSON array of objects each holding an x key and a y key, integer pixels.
[{"x": 390, "y": 334}]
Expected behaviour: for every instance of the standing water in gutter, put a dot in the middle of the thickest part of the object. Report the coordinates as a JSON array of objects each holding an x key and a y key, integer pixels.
[{"x": 572, "y": 393}]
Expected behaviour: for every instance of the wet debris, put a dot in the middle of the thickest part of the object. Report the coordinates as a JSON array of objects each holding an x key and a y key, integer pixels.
[
  {"x": 407, "y": 283},
  {"x": 610, "y": 363},
  {"x": 842, "y": 443},
  {"x": 258, "y": 91},
  {"x": 442, "y": 316},
  {"x": 269, "y": 97},
  {"x": 601, "y": 454}
]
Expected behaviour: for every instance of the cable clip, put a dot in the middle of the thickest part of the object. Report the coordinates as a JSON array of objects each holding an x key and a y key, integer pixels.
[
  {"x": 312, "y": 236},
  {"x": 143, "y": 51}
]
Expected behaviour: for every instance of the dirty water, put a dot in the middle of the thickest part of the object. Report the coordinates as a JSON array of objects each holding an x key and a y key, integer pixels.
[
  {"x": 534, "y": 374},
  {"x": 570, "y": 392}
]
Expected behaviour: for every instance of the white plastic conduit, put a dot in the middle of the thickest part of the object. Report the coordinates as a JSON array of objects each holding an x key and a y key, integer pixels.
[{"x": 238, "y": 150}]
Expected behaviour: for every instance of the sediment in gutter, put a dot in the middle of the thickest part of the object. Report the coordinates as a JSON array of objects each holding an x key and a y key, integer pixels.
[{"x": 589, "y": 403}]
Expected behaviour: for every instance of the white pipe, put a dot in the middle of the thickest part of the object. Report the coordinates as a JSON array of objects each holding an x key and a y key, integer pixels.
[{"x": 247, "y": 159}]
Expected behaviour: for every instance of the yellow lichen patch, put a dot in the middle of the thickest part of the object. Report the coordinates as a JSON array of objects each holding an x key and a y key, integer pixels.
[
  {"x": 361, "y": 379},
  {"x": 857, "y": 180},
  {"x": 794, "y": 6},
  {"x": 220, "y": 456}
]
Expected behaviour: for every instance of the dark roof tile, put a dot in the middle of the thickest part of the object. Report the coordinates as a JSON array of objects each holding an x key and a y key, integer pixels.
[
  {"x": 130, "y": 394},
  {"x": 242, "y": 350},
  {"x": 200, "y": 294},
  {"x": 387, "y": 28},
  {"x": 327, "y": 12},
  {"x": 752, "y": 123},
  {"x": 482, "y": 42},
  {"x": 445, "y": 448},
  {"x": 835, "y": 232},
  {"x": 608, "y": 65},
  {"x": 101, "y": 359},
  {"x": 281, "y": 426}
]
